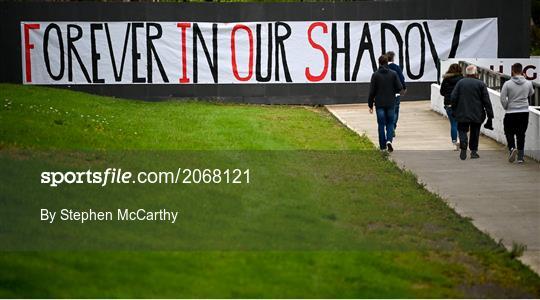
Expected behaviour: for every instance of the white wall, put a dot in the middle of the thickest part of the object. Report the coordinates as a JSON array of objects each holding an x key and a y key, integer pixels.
[{"x": 532, "y": 137}]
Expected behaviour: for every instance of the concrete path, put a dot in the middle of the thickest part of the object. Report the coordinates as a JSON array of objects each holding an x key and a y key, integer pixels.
[{"x": 501, "y": 198}]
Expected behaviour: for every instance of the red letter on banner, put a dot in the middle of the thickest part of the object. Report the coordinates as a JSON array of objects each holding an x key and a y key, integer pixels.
[
  {"x": 320, "y": 77},
  {"x": 233, "y": 52},
  {"x": 27, "y": 47},
  {"x": 184, "y": 27}
]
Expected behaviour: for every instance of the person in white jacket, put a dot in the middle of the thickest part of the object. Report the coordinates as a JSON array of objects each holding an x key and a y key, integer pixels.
[{"x": 515, "y": 95}]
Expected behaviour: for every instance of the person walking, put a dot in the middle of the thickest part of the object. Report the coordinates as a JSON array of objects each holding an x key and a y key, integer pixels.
[
  {"x": 470, "y": 105},
  {"x": 450, "y": 79},
  {"x": 396, "y": 68},
  {"x": 515, "y": 95},
  {"x": 382, "y": 93}
]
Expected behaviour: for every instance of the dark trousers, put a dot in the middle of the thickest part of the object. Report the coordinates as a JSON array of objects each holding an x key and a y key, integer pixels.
[
  {"x": 471, "y": 141},
  {"x": 515, "y": 126}
]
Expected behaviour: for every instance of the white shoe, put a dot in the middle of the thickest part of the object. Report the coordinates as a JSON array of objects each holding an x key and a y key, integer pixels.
[{"x": 512, "y": 155}]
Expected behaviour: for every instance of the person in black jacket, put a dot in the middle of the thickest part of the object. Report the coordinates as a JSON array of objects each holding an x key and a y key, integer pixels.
[
  {"x": 382, "y": 92},
  {"x": 450, "y": 79},
  {"x": 396, "y": 68},
  {"x": 470, "y": 105}
]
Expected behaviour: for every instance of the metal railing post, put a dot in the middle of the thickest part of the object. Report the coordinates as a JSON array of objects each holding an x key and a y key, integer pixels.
[{"x": 536, "y": 96}]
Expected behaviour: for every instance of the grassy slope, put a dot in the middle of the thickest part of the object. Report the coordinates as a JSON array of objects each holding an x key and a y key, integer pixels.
[{"x": 41, "y": 118}]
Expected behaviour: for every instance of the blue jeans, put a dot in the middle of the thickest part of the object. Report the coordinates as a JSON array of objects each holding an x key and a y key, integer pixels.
[
  {"x": 453, "y": 124},
  {"x": 398, "y": 101},
  {"x": 386, "y": 121}
]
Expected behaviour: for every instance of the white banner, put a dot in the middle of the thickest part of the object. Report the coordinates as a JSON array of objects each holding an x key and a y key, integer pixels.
[{"x": 255, "y": 52}]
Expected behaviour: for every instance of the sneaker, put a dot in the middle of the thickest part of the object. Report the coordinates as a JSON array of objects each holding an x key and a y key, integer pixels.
[
  {"x": 474, "y": 155},
  {"x": 389, "y": 147},
  {"x": 463, "y": 154},
  {"x": 521, "y": 156},
  {"x": 512, "y": 155},
  {"x": 456, "y": 144}
]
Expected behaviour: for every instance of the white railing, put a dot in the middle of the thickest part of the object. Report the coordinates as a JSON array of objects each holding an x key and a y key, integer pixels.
[
  {"x": 490, "y": 75},
  {"x": 495, "y": 80}
]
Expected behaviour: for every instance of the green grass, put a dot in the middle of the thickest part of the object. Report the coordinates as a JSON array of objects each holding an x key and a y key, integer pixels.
[
  {"x": 61, "y": 119},
  {"x": 332, "y": 223}
]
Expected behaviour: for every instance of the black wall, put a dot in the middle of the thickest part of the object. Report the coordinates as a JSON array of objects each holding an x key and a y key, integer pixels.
[{"x": 514, "y": 41}]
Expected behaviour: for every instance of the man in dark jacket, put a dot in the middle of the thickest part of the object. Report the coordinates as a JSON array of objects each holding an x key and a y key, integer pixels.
[
  {"x": 382, "y": 92},
  {"x": 470, "y": 104},
  {"x": 396, "y": 68}
]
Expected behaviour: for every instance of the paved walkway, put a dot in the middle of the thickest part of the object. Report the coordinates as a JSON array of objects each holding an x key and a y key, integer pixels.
[{"x": 502, "y": 199}]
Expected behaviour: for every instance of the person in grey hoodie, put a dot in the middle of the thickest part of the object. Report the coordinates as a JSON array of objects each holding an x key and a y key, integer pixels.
[{"x": 515, "y": 95}]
